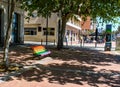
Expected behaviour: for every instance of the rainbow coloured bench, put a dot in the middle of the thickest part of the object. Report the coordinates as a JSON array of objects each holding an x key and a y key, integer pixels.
[{"x": 40, "y": 51}]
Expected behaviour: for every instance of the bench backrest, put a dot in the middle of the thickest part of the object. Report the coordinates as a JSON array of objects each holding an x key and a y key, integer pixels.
[{"x": 40, "y": 50}]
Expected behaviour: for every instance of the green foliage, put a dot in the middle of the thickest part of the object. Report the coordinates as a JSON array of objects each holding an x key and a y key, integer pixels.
[
  {"x": 43, "y": 7},
  {"x": 105, "y": 9},
  {"x": 108, "y": 10}
]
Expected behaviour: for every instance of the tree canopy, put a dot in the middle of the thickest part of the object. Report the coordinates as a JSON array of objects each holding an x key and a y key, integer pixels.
[{"x": 105, "y": 9}]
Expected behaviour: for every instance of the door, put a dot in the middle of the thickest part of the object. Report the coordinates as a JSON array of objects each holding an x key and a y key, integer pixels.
[
  {"x": 0, "y": 27},
  {"x": 15, "y": 29}
]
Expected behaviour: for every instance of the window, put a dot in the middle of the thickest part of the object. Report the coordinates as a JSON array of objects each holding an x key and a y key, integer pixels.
[
  {"x": 30, "y": 31},
  {"x": 39, "y": 29},
  {"x": 50, "y": 31}
]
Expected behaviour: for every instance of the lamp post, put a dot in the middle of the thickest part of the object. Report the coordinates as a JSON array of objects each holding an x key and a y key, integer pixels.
[
  {"x": 96, "y": 33},
  {"x": 96, "y": 37},
  {"x": 46, "y": 30},
  {"x": 46, "y": 27}
]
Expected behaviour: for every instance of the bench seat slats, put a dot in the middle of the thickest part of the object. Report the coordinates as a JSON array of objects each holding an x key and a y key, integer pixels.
[{"x": 46, "y": 53}]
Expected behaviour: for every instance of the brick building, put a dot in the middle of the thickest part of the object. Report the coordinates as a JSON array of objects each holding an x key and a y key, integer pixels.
[{"x": 86, "y": 26}]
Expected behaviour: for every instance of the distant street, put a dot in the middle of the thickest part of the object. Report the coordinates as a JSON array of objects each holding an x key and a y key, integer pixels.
[{"x": 99, "y": 46}]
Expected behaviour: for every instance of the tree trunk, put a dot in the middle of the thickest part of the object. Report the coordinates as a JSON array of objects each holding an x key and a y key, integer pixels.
[
  {"x": 64, "y": 20},
  {"x": 8, "y": 33},
  {"x": 59, "y": 35},
  {"x": 61, "y": 32}
]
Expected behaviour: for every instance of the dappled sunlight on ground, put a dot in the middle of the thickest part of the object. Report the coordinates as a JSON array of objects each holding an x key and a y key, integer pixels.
[{"x": 66, "y": 68}]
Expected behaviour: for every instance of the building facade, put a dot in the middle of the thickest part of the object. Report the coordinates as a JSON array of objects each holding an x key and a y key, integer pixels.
[
  {"x": 35, "y": 29},
  {"x": 17, "y": 35},
  {"x": 85, "y": 26},
  {"x": 73, "y": 29}
]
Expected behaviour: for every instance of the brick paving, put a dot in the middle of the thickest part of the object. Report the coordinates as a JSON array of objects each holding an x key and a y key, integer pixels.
[{"x": 76, "y": 67}]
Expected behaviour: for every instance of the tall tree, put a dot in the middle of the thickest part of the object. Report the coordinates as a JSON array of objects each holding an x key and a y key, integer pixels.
[
  {"x": 11, "y": 7},
  {"x": 105, "y": 9}
]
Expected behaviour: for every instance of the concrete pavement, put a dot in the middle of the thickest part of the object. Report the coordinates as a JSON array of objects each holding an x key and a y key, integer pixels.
[{"x": 49, "y": 60}]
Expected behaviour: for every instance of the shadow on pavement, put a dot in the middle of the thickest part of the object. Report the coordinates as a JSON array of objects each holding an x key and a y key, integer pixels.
[{"x": 78, "y": 66}]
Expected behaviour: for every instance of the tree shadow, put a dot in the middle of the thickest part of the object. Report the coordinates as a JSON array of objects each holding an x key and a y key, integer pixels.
[
  {"x": 73, "y": 70},
  {"x": 86, "y": 56},
  {"x": 59, "y": 74}
]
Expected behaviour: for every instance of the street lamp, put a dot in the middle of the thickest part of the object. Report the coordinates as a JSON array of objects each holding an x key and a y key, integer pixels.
[
  {"x": 96, "y": 33},
  {"x": 46, "y": 30},
  {"x": 96, "y": 37}
]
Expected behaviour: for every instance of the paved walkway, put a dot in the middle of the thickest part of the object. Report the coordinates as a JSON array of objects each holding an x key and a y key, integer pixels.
[{"x": 76, "y": 67}]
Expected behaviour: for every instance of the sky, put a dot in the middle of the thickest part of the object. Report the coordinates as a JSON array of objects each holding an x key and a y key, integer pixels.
[{"x": 103, "y": 25}]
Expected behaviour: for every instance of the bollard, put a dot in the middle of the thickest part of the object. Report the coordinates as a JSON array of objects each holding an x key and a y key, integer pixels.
[
  {"x": 54, "y": 42},
  {"x": 41, "y": 41}
]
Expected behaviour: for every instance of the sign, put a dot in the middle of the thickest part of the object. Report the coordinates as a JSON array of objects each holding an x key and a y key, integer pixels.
[
  {"x": 108, "y": 37},
  {"x": 108, "y": 28}
]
